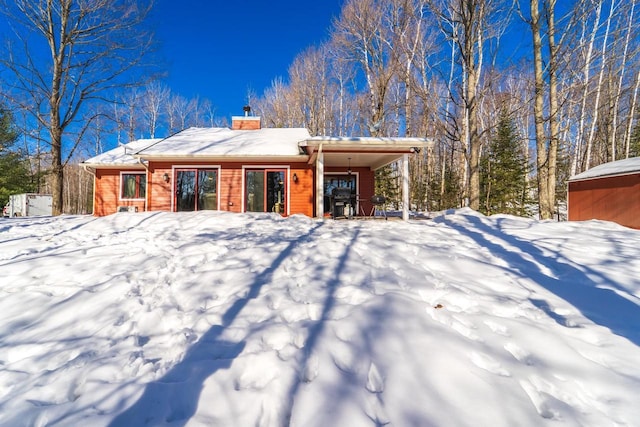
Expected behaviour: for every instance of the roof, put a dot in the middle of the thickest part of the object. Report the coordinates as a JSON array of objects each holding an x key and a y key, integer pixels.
[
  {"x": 273, "y": 144},
  {"x": 373, "y": 152},
  {"x": 619, "y": 167},
  {"x": 121, "y": 155},
  {"x": 369, "y": 141},
  {"x": 224, "y": 142}
]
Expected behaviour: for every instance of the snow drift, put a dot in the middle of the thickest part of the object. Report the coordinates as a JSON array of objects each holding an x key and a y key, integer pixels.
[{"x": 219, "y": 319}]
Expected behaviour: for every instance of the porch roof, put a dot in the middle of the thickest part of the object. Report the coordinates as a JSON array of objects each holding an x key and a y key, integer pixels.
[{"x": 373, "y": 152}]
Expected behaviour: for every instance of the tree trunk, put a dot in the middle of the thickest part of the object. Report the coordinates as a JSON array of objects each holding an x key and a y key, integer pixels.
[
  {"x": 596, "y": 107},
  {"x": 542, "y": 166},
  {"x": 554, "y": 120}
]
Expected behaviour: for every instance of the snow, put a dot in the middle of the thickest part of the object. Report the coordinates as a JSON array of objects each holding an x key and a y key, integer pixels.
[
  {"x": 121, "y": 155},
  {"x": 226, "y": 142},
  {"x": 619, "y": 167},
  {"x": 222, "y": 319}
]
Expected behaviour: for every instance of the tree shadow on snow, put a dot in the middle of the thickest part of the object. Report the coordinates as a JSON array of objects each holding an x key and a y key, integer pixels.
[
  {"x": 316, "y": 329},
  {"x": 173, "y": 399},
  {"x": 603, "y": 306}
]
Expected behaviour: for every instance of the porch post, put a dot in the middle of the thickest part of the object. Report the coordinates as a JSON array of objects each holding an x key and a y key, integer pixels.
[
  {"x": 319, "y": 183},
  {"x": 405, "y": 187}
]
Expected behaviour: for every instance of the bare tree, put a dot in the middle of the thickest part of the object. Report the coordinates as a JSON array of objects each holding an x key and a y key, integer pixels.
[
  {"x": 154, "y": 99},
  {"x": 92, "y": 47},
  {"x": 469, "y": 24},
  {"x": 546, "y": 147},
  {"x": 363, "y": 37}
]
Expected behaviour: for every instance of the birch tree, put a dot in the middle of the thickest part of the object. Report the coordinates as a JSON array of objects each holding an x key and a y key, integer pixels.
[
  {"x": 155, "y": 98},
  {"x": 71, "y": 53},
  {"x": 546, "y": 146},
  {"x": 469, "y": 24},
  {"x": 362, "y": 36}
]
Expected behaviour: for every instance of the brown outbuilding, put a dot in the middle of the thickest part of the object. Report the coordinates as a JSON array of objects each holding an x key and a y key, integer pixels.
[{"x": 609, "y": 192}]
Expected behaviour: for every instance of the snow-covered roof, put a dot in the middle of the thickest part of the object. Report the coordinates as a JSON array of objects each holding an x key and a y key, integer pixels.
[
  {"x": 370, "y": 142},
  {"x": 121, "y": 155},
  {"x": 224, "y": 142},
  {"x": 619, "y": 167}
]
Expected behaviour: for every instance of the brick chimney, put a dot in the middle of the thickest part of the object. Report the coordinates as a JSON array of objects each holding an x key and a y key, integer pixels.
[{"x": 245, "y": 122}]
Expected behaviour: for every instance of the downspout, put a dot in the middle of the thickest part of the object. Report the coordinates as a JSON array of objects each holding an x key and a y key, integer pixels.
[{"x": 146, "y": 196}]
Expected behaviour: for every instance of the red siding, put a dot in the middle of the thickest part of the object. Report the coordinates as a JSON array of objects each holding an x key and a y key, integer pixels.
[
  {"x": 159, "y": 191},
  {"x": 107, "y": 186},
  {"x": 301, "y": 193},
  {"x": 614, "y": 199},
  {"x": 106, "y": 198}
]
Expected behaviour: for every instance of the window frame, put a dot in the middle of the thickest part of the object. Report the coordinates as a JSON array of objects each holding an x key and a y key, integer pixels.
[
  {"x": 196, "y": 168},
  {"x": 141, "y": 182},
  {"x": 264, "y": 169}
]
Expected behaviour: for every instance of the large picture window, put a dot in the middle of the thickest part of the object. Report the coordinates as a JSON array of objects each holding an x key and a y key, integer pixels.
[
  {"x": 196, "y": 189},
  {"x": 133, "y": 185},
  {"x": 265, "y": 191}
]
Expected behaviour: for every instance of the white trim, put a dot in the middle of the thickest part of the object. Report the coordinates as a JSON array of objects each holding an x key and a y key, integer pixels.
[
  {"x": 196, "y": 167},
  {"x": 320, "y": 183},
  {"x": 287, "y": 169},
  {"x": 405, "y": 187},
  {"x": 146, "y": 186}
]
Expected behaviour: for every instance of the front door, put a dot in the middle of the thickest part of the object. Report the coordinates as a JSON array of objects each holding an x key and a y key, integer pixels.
[{"x": 265, "y": 190}]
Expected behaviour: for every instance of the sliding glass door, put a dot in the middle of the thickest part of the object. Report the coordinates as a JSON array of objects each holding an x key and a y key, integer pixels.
[
  {"x": 265, "y": 190},
  {"x": 196, "y": 189}
]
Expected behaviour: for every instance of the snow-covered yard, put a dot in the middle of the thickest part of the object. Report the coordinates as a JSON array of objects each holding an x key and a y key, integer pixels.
[{"x": 219, "y": 319}]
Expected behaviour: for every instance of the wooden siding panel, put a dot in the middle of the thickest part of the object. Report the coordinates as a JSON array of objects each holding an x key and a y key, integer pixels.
[
  {"x": 106, "y": 199},
  {"x": 301, "y": 192},
  {"x": 159, "y": 191},
  {"x": 367, "y": 190},
  {"x": 107, "y": 185},
  {"x": 231, "y": 187},
  {"x": 614, "y": 199}
]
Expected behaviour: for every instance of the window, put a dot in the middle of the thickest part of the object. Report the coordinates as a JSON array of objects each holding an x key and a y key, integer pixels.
[
  {"x": 265, "y": 190},
  {"x": 196, "y": 190},
  {"x": 134, "y": 185},
  {"x": 335, "y": 181}
]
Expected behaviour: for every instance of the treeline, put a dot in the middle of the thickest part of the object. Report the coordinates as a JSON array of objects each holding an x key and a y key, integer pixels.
[
  {"x": 562, "y": 78},
  {"x": 516, "y": 96}
]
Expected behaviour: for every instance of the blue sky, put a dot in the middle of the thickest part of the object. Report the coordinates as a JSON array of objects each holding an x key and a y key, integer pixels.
[{"x": 220, "y": 49}]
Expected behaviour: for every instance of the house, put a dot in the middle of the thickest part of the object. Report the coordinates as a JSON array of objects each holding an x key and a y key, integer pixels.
[
  {"x": 608, "y": 192},
  {"x": 245, "y": 168}
]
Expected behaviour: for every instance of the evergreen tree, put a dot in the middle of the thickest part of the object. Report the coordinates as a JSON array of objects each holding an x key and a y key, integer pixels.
[
  {"x": 504, "y": 170},
  {"x": 449, "y": 197},
  {"x": 387, "y": 185},
  {"x": 15, "y": 175}
]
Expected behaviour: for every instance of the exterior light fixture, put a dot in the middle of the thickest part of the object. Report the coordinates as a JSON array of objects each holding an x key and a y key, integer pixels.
[
  {"x": 295, "y": 177},
  {"x": 349, "y": 167},
  {"x": 165, "y": 177}
]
